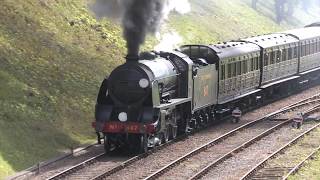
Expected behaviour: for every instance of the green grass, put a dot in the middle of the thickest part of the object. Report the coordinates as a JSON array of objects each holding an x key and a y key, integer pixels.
[
  {"x": 216, "y": 21},
  {"x": 50, "y": 73},
  {"x": 298, "y": 152},
  {"x": 309, "y": 172},
  {"x": 54, "y": 54}
]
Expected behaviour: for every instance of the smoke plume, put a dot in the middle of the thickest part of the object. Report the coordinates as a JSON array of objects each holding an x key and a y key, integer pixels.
[
  {"x": 168, "y": 41},
  {"x": 139, "y": 17}
]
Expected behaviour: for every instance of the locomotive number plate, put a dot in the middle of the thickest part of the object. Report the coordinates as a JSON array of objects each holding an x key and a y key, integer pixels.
[
  {"x": 113, "y": 127},
  {"x": 133, "y": 128}
]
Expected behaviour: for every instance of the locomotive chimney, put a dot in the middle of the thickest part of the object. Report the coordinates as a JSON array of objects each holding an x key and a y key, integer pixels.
[{"x": 132, "y": 58}]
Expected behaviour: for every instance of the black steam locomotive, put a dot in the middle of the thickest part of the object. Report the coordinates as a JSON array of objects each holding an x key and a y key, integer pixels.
[{"x": 154, "y": 97}]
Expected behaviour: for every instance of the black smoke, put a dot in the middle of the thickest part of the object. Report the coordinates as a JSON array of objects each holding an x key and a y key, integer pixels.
[{"x": 139, "y": 17}]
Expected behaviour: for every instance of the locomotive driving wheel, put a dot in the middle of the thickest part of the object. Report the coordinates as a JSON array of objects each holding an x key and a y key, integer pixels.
[
  {"x": 174, "y": 132},
  {"x": 143, "y": 144},
  {"x": 107, "y": 145},
  {"x": 166, "y": 135}
]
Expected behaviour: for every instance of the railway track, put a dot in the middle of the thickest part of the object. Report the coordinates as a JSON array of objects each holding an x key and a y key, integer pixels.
[
  {"x": 301, "y": 163},
  {"x": 216, "y": 152},
  {"x": 91, "y": 168},
  {"x": 263, "y": 122},
  {"x": 288, "y": 159},
  {"x": 282, "y": 172}
]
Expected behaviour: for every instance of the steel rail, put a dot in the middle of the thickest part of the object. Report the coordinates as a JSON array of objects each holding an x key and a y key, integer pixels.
[
  {"x": 238, "y": 149},
  {"x": 76, "y": 167},
  {"x": 298, "y": 166},
  {"x": 205, "y": 170},
  {"x": 125, "y": 164},
  {"x": 225, "y": 136},
  {"x": 136, "y": 158},
  {"x": 273, "y": 155}
]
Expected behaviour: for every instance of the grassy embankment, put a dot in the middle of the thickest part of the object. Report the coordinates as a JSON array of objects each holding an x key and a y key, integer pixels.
[{"x": 53, "y": 56}]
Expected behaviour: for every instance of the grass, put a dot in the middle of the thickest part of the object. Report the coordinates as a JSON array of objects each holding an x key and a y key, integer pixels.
[
  {"x": 216, "y": 21},
  {"x": 311, "y": 171},
  {"x": 54, "y": 54},
  {"x": 298, "y": 152}
]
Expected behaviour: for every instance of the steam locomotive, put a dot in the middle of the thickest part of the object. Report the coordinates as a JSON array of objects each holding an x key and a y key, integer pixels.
[{"x": 156, "y": 96}]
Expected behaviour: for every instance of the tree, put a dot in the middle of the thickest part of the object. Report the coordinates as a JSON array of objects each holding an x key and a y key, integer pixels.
[
  {"x": 254, "y": 4},
  {"x": 291, "y": 6},
  {"x": 280, "y": 9}
]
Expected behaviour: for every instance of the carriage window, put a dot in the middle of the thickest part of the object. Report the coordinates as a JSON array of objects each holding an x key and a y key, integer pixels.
[
  {"x": 314, "y": 48},
  {"x": 257, "y": 63},
  {"x": 284, "y": 54},
  {"x": 265, "y": 63},
  {"x": 302, "y": 51},
  {"x": 245, "y": 66},
  {"x": 295, "y": 52},
  {"x": 289, "y": 53},
  {"x": 229, "y": 70},
  {"x": 234, "y": 69},
  {"x": 305, "y": 49},
  {"x": 319, "y": 46},
  {"x": 238, "y": 64},
  {"x": 310, "y": 46},
  {"x": 251, "y": 64},
  {"x": 278, "y": 56},
  {"x": 272, "y": 57},
  {"x": 223, "y": 72},
  {"x": 308, "y": 49}
]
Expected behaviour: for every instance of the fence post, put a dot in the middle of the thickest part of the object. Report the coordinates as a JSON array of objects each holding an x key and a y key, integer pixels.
[
  {"x": 38, "y": 167},
  {"x": 72, "y": 150}
]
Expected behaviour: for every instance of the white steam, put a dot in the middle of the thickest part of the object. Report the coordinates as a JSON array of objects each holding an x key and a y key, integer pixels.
[
  {"x": 171, "y": 40},
  {"x": 179, "y": 6},
  {"x": 168, "y": 41}
]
